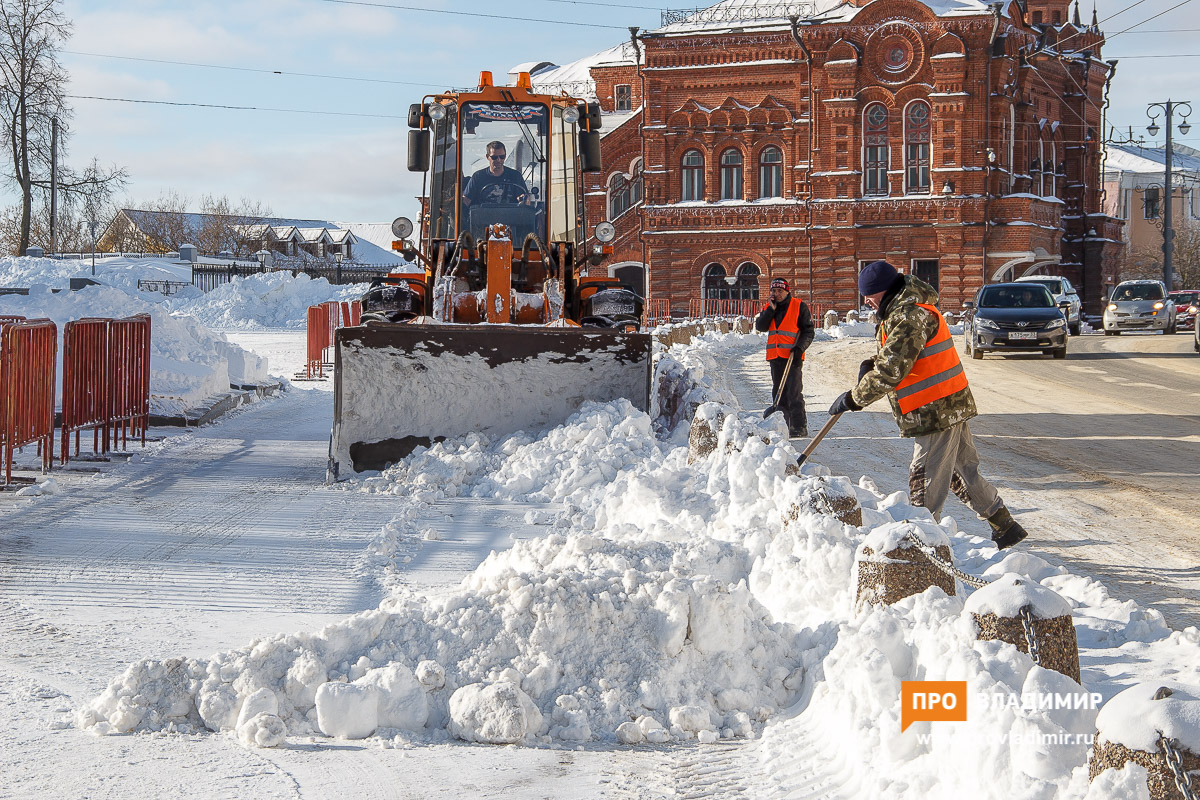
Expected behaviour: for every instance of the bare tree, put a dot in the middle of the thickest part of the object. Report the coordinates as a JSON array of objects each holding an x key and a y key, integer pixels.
[
  {"x": 1147, "y": 261},
  {"x": 32, "y": 101}
]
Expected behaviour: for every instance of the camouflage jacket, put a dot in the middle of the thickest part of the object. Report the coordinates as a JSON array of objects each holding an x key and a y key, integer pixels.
[{"x": 908, "y": 328}]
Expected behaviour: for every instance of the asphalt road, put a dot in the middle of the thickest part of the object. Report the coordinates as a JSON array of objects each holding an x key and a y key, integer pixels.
[{"x": 1097, "y": 455}]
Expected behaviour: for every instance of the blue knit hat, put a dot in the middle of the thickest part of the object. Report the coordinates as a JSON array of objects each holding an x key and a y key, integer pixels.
[{"x": 878, "y": 276}]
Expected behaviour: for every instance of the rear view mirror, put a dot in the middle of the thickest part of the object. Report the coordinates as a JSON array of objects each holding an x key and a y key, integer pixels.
[
  {"x": 968, "y": 305},
  {"x": 1064, "y": 304}
]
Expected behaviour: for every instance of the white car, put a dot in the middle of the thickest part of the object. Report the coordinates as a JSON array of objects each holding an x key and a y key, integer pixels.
[
  {"x": 1062, "y": 291},
  {"x": 1139, "y": 305}
]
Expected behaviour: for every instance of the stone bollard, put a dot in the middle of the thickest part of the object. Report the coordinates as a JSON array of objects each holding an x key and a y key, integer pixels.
[
  {"x": 832, "y": 496},
  {"x": 950, "y": 318},
  {"x": 1131, "y": 727},
  {"x": 705, "y": 430},
  {"x": 891, "y": 567},
  {"x": 851, "y": 317},
  {"x": 996, "y": 609},
  {"x": 873, "y": 317},
  {"x": 831, "y": 319}
]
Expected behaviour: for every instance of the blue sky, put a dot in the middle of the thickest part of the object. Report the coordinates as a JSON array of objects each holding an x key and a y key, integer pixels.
[{"x": 339, "y": 166}]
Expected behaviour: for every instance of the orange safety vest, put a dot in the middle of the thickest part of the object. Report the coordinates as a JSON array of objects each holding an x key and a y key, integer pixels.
[
  {"x": 781, "y": 340},
  {"x": 937, "y": 372}
]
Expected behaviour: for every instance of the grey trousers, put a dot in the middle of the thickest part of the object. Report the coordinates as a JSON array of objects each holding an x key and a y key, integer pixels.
[{"x": 946, "y": 461}]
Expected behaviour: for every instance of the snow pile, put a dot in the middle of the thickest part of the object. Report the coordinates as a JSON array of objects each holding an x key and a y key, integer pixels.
[
  {"x": 123, "y": 273},
  {"x": 266, "y": 300},
  {"x": 1008, "y": 594},
  {"x": 188, "y": 362},
  {"x": 1138, "y": 716}
]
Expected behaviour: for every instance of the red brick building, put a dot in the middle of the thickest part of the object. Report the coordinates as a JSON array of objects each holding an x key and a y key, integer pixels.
[{"x": 959, "y": 141}]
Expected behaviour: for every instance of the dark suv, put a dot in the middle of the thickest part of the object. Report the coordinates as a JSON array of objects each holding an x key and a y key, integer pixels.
[{"x": 1015, "y": 317}]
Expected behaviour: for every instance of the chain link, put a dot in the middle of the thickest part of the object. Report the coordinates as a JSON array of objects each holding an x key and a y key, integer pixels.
[
  {"x": 1030, "y": 634},
  {"x": 945, "y": 567},
  {"x": 1183, "y": 779}
]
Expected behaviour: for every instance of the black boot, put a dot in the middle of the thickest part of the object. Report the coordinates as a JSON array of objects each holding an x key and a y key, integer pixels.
[{"x": 1006, "y": 531}]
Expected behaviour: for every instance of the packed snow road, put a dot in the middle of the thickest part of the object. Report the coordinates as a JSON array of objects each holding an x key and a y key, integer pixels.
[{"x": 1099, "y": 455}]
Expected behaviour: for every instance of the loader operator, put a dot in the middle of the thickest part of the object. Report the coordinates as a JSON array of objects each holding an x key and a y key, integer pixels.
[
  {"x": 789, "y": 327},
  {"x": 496, "y": 184},
  {"x": 918, "y": 369}
]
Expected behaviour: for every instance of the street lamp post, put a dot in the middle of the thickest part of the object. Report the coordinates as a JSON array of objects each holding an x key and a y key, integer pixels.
[
  {"x": 92, "y": 226},
  {"x": 1168, "y": 109},
  {"x": 337, "y": 257}
]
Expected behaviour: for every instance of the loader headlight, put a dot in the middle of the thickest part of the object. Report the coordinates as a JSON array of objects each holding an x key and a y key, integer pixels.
[
  {"x": 606, "y": 232},
  {"x": 571, "y": 115},
  {"x": 402, "y": 227},
  {"x": 437, "y": 111}
]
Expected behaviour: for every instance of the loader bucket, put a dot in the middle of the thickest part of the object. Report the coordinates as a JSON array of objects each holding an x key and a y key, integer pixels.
[{"x": 400, "y": 386}]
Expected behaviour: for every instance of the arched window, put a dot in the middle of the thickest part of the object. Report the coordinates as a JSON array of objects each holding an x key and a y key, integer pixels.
[
  {"x": 916, "y": 148},
  {"x": 635, "y": 185},
  {"x": 619, "y": 199},
  {"x": 731, "y": 174},
  {"x": 875, "y": 149},
  {"x": 1040, "y": 167},
  {"x": 770, "y": 172},
  {"x": 716, "y": 287},
  {"x": 693, "y": 175},
  {"x": 1053, "y": 165},
  {"x": 746, "y": 286}
]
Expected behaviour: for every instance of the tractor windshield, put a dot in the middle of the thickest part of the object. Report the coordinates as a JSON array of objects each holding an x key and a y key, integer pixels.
[{"x": 504, "y": 160}]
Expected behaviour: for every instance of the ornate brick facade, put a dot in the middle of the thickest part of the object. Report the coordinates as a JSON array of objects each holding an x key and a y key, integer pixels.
[{"x": 964, "y": 147}]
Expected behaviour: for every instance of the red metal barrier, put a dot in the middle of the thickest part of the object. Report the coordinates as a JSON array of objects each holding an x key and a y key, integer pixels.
[
  {"x": 85, "y": 402},
  {"x": 356, "y": 312},
  {"x": 10, "y": 318},
  {"x": 129, "y": 378},
  {"x": 346, "y": 314},
  {"x": 657, "y": 311},
  {"x": 318, "y": 340},
  {"x": 28, "y": 354}
]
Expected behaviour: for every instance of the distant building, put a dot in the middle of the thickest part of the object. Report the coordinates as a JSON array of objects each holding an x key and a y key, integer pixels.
[
  {"x": 1134, "y": 192},
  {"x": 241, "y": 237},
  {"x": 960, "y": 141}
]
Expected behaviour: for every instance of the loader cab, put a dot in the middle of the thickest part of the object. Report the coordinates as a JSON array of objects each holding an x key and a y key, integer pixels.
[{"x": 533, "y": 188}]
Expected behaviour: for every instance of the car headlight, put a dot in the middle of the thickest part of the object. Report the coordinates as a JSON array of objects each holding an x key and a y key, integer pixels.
[
  {"x": 1056, "y": 323},
  {"x": 1193, "y": 309},
  {"x": 1112, "y": 307},
  {"x": 1158, "y": 305},
  {"x": 986, "y": 323}
]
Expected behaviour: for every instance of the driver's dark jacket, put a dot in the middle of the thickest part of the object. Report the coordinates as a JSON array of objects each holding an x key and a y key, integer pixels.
[{"x": 484, "y": 187}]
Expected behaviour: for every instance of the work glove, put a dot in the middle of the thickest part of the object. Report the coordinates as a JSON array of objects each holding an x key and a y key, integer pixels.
[
  {"x": 843, "y": 404},
  {"x": 866, "y": 366}
]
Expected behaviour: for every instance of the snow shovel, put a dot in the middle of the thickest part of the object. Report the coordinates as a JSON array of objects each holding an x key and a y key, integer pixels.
[
  {"x": 817, "y": 439},
  {"x": 787, "y": 368}
]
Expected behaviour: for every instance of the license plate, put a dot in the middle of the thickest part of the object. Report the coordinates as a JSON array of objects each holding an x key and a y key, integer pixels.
[{"x": 1022, "y": 335}]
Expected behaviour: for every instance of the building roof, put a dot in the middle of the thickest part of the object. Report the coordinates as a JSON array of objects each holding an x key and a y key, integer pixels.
[
  {"x": 576, "y": 78},
  {"x": 365, "y": 251},
  {"x": 1148, "y": 162},
  {"x": 748, "y": 15}
]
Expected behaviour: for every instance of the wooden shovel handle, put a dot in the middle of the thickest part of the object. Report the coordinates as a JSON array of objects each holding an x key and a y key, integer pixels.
[{"x": 817, "y": 439}]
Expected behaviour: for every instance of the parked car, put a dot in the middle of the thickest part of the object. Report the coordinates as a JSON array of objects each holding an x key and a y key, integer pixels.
[
  {"x": 1014, "y": 317},
  {"x": 1196, "y": 337},
  {"x": 1187, "y": 304},
  {"x": 1061, "y": 289},
  {"x": 1141, "y": 305}
]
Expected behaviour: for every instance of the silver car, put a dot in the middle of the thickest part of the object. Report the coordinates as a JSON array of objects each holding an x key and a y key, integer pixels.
[
  {"x": 1062, "y": 291},
  {"x": 1139, "y": 306}
]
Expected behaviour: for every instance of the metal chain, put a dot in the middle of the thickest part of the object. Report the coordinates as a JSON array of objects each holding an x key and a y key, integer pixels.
[
  {"x": 945, "y": 567},
  {"x": 1183, "y": 779},
  {"x": 1030, "y": 634}
]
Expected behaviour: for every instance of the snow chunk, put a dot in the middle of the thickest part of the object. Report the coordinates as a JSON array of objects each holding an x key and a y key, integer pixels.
[
  {"x": 402, "y": 700},
  {"x": 1005, "y": 597},
  {"x": 893, "y": 535},
  {"x": 1128, "y": 783},
  {"x": 347, "y": 710},
  {"x": 497, "y": 713}
]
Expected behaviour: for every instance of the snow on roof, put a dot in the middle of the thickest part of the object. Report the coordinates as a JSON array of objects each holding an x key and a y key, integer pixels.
[
  {"x": 759, "y": 14},
  {"x": 576, "y": 78},
  {"x": 377, "y": 233},
  {"x": 1148, "y": 160}
]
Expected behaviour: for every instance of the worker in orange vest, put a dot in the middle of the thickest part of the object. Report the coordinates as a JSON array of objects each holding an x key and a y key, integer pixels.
[
  {"x": 789, "y": 327},
  {"x": 918, "y": 369}
]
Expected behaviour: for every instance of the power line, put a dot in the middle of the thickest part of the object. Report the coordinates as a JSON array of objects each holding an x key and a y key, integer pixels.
[
  {"x": 475, "y": 15},
  {"x": 247, "y": 69},
  {"x": 233, "y": 108}
]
